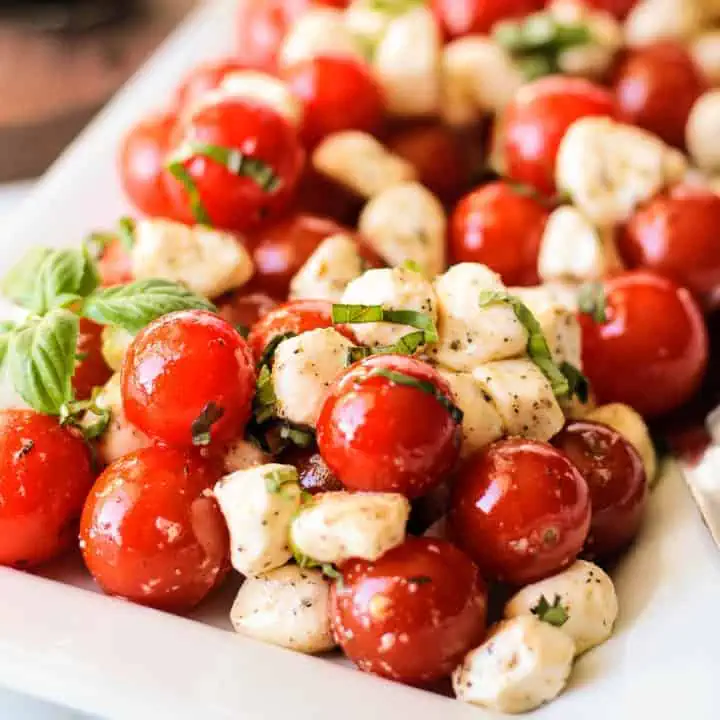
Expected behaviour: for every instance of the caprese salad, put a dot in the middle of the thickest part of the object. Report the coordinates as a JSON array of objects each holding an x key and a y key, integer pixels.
[{"x": 403, "y": 283}]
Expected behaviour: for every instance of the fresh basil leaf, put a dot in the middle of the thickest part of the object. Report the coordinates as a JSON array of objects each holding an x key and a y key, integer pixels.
[
  {"x": 418, "y": 320},
  {"x": 178, "y": 170},
  {"x": 65, "y": 276},
  {"x": 201, "y": 428},
  {"x": 41, "y": 360},
  {"x": 126, "y": 232},
  {"x": 356, "y": 313},
  {"x": 376, "y": 313},
  {"x": 268, "y": 354},
  {"x": 578, "y": 384},
  {"x": 265, "y": 399},
  {"x": 592, "y": 301},
  {"x": 20, "y": 284},
  {"x": 6, "y": 330},
  {"x": 299, "y": 436},
  {"x": 137, "y": 304},
  {"x": 406, "y": 345},
  {"x": 277, "y": 478}
]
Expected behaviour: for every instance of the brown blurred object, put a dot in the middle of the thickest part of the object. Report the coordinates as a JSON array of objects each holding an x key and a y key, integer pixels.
[{"x": 60, "y": 61}]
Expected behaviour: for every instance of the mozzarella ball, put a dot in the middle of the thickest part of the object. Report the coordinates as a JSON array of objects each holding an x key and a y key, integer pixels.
[
  {"x": 471, "y": 334},
  {"x": 258, "y": 505},
  {"x": 209, "y": 262},
  {"x": 407, "y": 222},
  {"x": 328, "y": 271},
  {"x": 481, "y": 423},
  {"x": 360, "y": 163},
  {"x": 337, "y": 526},
  {"x": 395, "y": 289},
  {"x": 524, "y": 663},
  {"x": 705, "y": 50},
  {"x": 588, "y": 597},
  {"x": 703, "y": 131},
  {"x": 288, "y": 607},
  {"x": 305, "y": 366},
  {"x": 654, "y": 20}
]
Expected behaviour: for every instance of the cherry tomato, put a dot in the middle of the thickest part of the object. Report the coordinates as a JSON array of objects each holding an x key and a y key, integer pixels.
[
  {"x": 619, "y": 8},
  {"x": 338, "y": 93},
  {"x": 368, "y": 430},
  {"x": 115, "y": 265},
  {"x": 465, "y": 17},
  {"x": 521, "y": 510},
  {"x": 411, "y": 615},
  {"x": 314, "y": 475},
  {"x": 676, "y": 234},
  {"x": 185, "y": 373},
  {"x": 91, "y": 370},
  {"x": 245, "y": 309},
  {"x": 152, "y": 532},
  {"x": 203, "y": 79},
  {"x": 142, "y": 165},
  {"x": 239, "y": 200},
  {"x": 616, "y": 478},
  {"x": 536, "y": 120},
  {"x": 655, "y": 89},
  {"x": 45, "y": 476},
  {"x": 320, "y": 196},
  {"x": 651, "y": 353},
  {"x": 500, "y": 227}
]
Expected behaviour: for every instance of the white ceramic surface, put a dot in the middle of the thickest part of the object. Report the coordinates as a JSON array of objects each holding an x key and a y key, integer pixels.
[{"x": 64, "y": 643}]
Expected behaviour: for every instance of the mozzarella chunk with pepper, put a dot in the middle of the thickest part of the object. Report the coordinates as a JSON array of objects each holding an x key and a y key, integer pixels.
[
  {"x": 337, "y": 526},
  {"x": 304, "y": 368},
  {"x": 407, "y": 63},
  {"x": 258, "y": 505},
  {"x": 481, "y": 423},
  {"x": 328, "y": 271},
  {"x": 289, "y": 607},
  {"x": 703, "y": 130},
  {"x": 471, "y": 334},
  {"x": 209, "y": 262},
  {"x": 654, "y": 20},
  {"x": 524, "y": 398},
  {"x": 705, "y": 50},
  {"x": 524, "y": 663},
  {"x": 407, "y": 222},
  {"x": 396, "y": 288},
  {"x": 319, "y": 31},
  {"x": 478, "y": 76},
  {"x": 360, "y": 163},
  {"x": 609, "y": 168},
  {"x": 630, "y": 424},
  {"x": 586, "y": 594}
]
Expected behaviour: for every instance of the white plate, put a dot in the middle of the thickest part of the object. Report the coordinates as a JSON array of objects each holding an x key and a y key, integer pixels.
[{"x": 65, "y": 643}]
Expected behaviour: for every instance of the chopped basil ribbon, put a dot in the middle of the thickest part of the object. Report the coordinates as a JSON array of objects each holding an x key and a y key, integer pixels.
[
  {"x": 376, "y": 313},
  {"x": 268, "y": 354},
  {"x": 197, "y": 207},
  {"x": 277, "y": 478},
  {"x": 201, "y": 428},
  {"x": 406, "y": 345},
  {"x": 555, "y": 614},
  {"x": 423, "y": 385},
  {"x": 300, "y": 436},
  {"x": 578, "y": 384},
  {"x": 265, "y": 399},
  {"x": 592, "y": 301},
  {"x": 327, "y": 569},
  {"x": 394, "y": 8}
]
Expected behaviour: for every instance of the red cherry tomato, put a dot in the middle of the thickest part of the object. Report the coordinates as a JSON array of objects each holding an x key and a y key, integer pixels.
[
  {"x": 465, "y": 17},
  {"x": 115, "y": 265},
  {"x": 45, "y": 476},
  {"x": 655, "y": 89},
  {"x": 502, "y": 228},
  {"x": 369, "y": 433},
  {"x": 536, "y": 120},
  {"x": 338, "y": 93},
  {"x": 183, "y": 367},
  {"x": 152, "y": 532},
  {"x": 91, "y": 370},
  {"x": 676, "y": 234},
  {"x": 651, "y": 353},
  {"x": 204, "y": 78},
  {"x": 616, "y": 478},
  {"x": 142, "y": 165},
  {"x": 521, "y": 510},
  {"x": 411, "y": 615},
  {"x": 231, "y": 200},
  {"x": 314, "y": 475},
  {"x": 619, "y": 8},
  {"x": 245, "y": 309},
  {"x": 320, "y": 196}
]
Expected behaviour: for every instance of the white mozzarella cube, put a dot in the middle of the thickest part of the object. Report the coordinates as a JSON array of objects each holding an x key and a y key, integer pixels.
[
  {"x": 334, "y": 264},
  {"x": 705, "y": 50},
  {"x": 407, "y": 222},
  {"x": 304, "y": 369},
  {"x": 524, "y": 663},
  {"x": 258, "y": 505},
  {"x": 656, "y": 20},
  {"x": 368, "y": 22},
  {"x": 337, "y": 526},
  {"x": 587, "y": 595},
  {"x": 209, "y": 262},
  {"x": 396, "y": 288},
  {"x": 703, "y": 130},
  {"x": 289, "y": 607},
  {"x": 360, "y": 163}
]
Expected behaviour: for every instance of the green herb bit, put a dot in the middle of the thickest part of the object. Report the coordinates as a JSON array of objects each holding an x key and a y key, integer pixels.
[
  {"x": 265, "y": 399},
  {"x": 266, "y": 359},
  {"x": 279, "y": 478},
  {"x": 578, "y": 384},
  {"x": 178, "y": 170},
  {"x": 80, "y": 414},
  {"x": 592, "y": 301},
  {"x": 406, "y": 345},
  {"x": 555, "y": 614},
  {"x": 376, "y": 313},
  {"x": 201, "y": 428},
  {"x": 302, "y": 437}
]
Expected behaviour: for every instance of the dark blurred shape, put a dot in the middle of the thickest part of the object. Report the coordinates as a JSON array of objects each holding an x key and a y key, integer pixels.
[{"x": 67, "y": 15}]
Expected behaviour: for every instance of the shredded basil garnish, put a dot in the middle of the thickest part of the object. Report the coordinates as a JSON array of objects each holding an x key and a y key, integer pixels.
[
  {"x": 178, "y": 170},
  {"x": 201, "y": 428},
  {"x": 376, "y": 313},
  {"x": 592, "y": 301},
  {"x": 555, "y": 614},
  {"x": 406, "y": 345},
  {"x": 269, "y": 352}
]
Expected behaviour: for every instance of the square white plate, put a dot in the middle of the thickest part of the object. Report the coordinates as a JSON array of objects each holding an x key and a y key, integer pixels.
[{"x": 64, "y": 642}]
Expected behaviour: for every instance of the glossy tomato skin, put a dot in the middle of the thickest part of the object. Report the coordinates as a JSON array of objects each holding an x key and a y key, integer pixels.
[
  {"x": 203, "y": 79},
  {"x": 314, "y": 475},
  {"x": 536, "y": 120},
  {"x": 142, "y": 164},
  {"x": 521, "y": 510},
  {"x": 115, "y": 264},
  {"x": 616, "y": 479},
  {"x": 676, "y": 234},
  {"x": 232, "y": 201},
  {"x": 655, "y": 89},
  {"x": 245, "y": 309},
  {"x": 152, "y": 532},
  {"x": 465, "y": 17},
  {"x": 652, "y": 351},
  {"x": 91, "y": 370},
  {"x": 177, "y": 367},
  {"x": 502, "y": 228},
  {"x": 338, "y": 93},
  {"x": 369, "y": 434},
  {"x": 411, "y": 615},
  {"x": 45, "y": 476}
]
